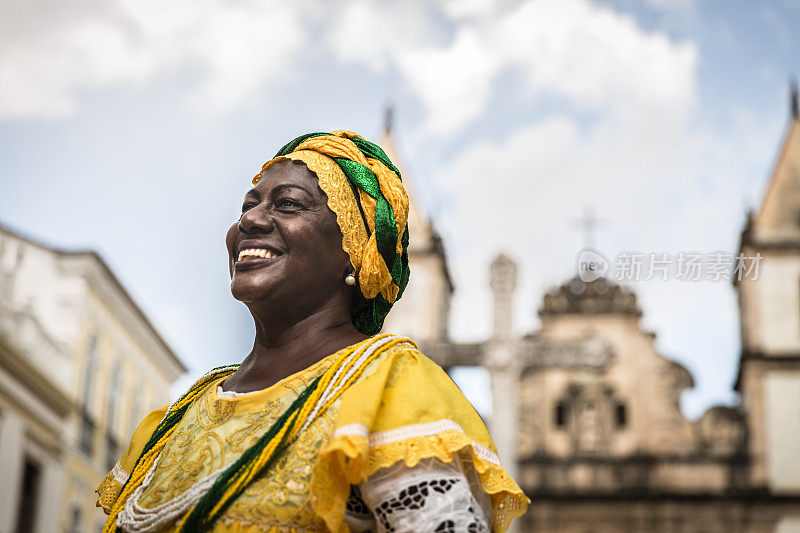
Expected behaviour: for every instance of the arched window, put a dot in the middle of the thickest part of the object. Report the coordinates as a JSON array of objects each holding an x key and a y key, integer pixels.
[
  {"x": 560, "y": 417},
  {"x": 29, "y": 495},
  {"x": 111, "y": 414},
  {"x": 89, "y": 373},
  {"x": 113, "y": 395},
  {"x": 620, "y": 415}
]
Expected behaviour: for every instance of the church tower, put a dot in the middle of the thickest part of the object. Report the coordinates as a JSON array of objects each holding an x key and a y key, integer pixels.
[
  {"x": 769, "y": 312},
  {"x": 423, "y": 311}
]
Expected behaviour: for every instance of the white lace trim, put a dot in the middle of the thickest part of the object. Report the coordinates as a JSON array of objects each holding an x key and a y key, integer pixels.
[
  {"x": 231, "y": 394},
  {"x": 412, "y": 431},
  {"x": 431, "y": 497},
  {"x": 120, "y": 475}
]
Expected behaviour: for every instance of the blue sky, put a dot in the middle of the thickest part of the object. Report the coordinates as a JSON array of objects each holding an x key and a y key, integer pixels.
[{"x": 133, "y": 127}]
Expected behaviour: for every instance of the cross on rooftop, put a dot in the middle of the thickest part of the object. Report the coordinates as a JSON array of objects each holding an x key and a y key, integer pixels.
[{"x": 588, "y": 223}]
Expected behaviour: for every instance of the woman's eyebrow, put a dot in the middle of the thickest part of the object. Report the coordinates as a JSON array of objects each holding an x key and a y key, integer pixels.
[{"x": 283, "y": 186}]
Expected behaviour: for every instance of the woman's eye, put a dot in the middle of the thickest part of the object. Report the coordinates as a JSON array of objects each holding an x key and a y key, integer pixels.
[
  {"x": 287, "y": 202},
  {"x": 248, "y": 206}
]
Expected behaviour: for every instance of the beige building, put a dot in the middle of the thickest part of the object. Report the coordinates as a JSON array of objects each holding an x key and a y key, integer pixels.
[
  {"x": 769, "y": 376},
  {"x": 586, "y": 411},
  {"x": 80, "y": 364}
]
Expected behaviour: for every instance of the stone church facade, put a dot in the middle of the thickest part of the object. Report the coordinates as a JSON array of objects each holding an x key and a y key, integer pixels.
[{"x": 595, "y": 434}]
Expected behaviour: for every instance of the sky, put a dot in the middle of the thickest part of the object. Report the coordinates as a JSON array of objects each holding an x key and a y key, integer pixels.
[{"x": 133, "y": 127}]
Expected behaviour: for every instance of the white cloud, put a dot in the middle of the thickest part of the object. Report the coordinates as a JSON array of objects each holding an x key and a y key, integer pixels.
[
  {"x": 595, "y": 56},
  {"x": 453, "y": 83},
  {"x": 572, "y": 49},
  {"x": 234, "y": 48},
  {"x": 449, "y": 55},
  {"x": 372, "y": 33}
]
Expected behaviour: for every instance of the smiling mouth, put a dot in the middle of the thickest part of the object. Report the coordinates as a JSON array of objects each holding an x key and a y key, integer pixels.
[
  {"x": 255, "y": 257},
  {"x": 255, "y": 253}
]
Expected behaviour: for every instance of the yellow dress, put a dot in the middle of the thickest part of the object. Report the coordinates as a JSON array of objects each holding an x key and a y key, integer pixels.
[{"x": 404, "y": 407}]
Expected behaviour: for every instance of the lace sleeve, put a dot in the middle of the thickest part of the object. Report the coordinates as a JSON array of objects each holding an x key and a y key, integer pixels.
[{"x": 433, "y": 496}]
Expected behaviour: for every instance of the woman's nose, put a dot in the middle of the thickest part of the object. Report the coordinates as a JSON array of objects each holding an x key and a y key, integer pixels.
[{"x": 256, "y": 220}]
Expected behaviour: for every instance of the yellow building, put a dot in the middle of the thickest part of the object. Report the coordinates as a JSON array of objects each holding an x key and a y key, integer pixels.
[{"x": 80, "y": 364}]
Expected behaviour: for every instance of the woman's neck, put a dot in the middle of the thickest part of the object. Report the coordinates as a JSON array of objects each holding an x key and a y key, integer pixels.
[{"x": 279, "y": 352}]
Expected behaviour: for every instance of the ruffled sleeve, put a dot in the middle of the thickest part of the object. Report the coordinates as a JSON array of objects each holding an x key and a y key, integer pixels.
[
  {"x": 407, "y": 409},
  {"x": 112, "y": 484}
]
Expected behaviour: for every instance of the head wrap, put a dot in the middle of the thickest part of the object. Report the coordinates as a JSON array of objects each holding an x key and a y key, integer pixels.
[{"x": 366, "y": 193}]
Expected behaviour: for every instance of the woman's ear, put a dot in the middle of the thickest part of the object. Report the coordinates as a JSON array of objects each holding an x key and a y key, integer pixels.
[
  {"x": 349, "y": 273},
  {"x": 348, "y": 267}
]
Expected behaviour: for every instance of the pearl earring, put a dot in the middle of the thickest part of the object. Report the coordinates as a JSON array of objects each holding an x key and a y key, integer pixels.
[{"x": 350, "y": 279}]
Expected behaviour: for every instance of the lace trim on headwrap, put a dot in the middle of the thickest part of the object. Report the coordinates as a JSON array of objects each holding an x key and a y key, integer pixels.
[
  {"x": 371, "y": 208},
  {"x": 376, "y": 276},
  {"x": 341, "y": 200}
]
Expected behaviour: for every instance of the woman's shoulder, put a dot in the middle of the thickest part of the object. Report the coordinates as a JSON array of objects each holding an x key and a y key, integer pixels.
[
  {"x": 151, "y": 420},
  {"x": 112, "y": 484},
  {"x": 404, "y": 386},
  {"x": 140, "y": 437},
  {"x": 401, "y": 357},
  {"x": 406, "y": 350}
]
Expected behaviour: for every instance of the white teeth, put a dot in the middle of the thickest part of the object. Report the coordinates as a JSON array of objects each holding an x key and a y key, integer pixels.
[{"x": 255, "y": 252}]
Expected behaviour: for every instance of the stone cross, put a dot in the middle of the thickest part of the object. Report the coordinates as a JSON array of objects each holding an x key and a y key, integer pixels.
[
  {"x": 503, "y": 364},
  {"x": 588, "y": 222}
]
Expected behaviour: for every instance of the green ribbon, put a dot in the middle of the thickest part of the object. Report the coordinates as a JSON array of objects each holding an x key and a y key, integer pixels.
[{"x": 369, "y": 314}]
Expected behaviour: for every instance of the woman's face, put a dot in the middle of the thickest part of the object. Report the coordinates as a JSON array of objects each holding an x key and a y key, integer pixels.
[{"x": 286, "y": 249}]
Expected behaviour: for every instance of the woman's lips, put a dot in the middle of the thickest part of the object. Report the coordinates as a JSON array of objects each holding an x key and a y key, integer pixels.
[{"x": 254, "y": 262}]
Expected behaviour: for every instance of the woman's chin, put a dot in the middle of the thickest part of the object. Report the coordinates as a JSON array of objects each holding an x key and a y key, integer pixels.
[{"x": 248, "y": 293}]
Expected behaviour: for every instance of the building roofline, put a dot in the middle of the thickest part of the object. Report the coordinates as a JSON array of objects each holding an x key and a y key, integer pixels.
[
  {"x": 793, "y": 123},
  {"x": 110, "y": 273}
]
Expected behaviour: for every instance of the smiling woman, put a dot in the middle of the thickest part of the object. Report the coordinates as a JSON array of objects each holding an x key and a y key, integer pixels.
[{"x": 326, "y": 425}]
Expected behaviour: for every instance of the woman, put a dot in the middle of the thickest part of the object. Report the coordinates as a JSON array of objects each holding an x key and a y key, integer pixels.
[{"x": 325, "y": 425}]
